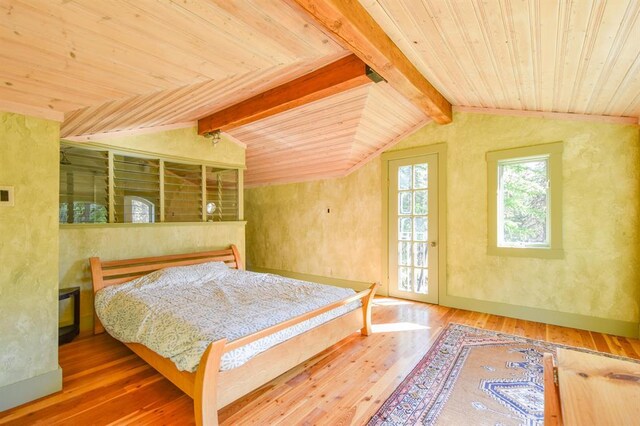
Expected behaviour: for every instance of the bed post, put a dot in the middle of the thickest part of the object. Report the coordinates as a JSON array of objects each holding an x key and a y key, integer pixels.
[
  {"x": 96, "y": 276},
  {"x": 236, "y": 254},
  {"x": 205, "y": 389},
  {"x": 366, "y": 310}
]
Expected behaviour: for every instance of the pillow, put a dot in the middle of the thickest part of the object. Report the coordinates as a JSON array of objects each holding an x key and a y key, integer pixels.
[
  {"x": 177, "y": 275},
  {"x": 209, "y": 265}
]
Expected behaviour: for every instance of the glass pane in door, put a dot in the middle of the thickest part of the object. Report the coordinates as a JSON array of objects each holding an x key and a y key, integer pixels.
[
  {"x": 413, "y": 219},
  {"x": 404, "y": 279},
  {"x": 404, "y": 253},
  {"x": 420, "y": 280},
  {"x": 404, "y": 177}
]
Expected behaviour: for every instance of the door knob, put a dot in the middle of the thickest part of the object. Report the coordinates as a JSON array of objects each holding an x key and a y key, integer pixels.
[{"x": 432, "y": 243}]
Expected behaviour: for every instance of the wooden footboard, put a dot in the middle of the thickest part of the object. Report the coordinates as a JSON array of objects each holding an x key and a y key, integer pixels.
[
  {"x": 214, "y": 389},
  {"x": 281, "y": 358},
  {"x": 210, "y": 388}
]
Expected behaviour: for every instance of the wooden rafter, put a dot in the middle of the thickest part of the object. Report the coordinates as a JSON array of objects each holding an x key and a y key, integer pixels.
[
  {"x": 348, "y": 23},
  {"x": 339, "y": 76}
]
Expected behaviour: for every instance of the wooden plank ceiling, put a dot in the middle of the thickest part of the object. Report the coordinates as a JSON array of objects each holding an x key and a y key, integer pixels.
[
  {"x": 561, "y": 56},
  {"x": 123, "y": 65},
  {"x": 327, "y": 138},
  {"x": 182, "y": 104},
  {"x": 67, "y": 55},
  {"x": 344, "y": 74},
  {"x": 348, "y": 23}
]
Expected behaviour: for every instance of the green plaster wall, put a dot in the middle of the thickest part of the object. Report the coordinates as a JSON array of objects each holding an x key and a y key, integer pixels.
[
  {"x": 289, "y": 228},
  {"x": 185, "y": 143},
  {"x": 28, "y": 248},
  {"x": 599, "y": 276},
  {"x": 120, "y": 241}
]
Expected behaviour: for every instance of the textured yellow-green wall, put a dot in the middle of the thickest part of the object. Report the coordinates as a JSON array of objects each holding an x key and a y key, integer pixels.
[
  {"x": 184, "y": 143},
  {"x": 599, "y": 276},
  {"x": 120, "y": 241},
  {"x": 289, "y": 228},
  {"x": 28, "y": 248}
]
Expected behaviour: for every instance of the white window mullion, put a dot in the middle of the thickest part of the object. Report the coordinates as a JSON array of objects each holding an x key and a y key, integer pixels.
[{"x": 500, "y": 215}]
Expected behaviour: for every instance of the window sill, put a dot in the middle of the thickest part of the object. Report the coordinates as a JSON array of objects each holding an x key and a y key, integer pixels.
[
  {"x": 134, "y": 225},
  {"x": 542, "y": 253}
]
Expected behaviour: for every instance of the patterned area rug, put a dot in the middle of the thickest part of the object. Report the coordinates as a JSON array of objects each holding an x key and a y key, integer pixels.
[{"x": 472, "y": 376}]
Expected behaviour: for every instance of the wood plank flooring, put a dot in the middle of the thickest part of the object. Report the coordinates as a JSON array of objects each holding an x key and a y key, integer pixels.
[{"x": 105, "y": 383}]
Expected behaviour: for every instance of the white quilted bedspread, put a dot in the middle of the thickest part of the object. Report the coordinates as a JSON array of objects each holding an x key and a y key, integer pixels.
[{"x": 177, "y": 312}]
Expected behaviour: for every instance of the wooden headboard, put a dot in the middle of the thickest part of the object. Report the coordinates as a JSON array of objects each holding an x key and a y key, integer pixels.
[{"x": 114, "y": 272}]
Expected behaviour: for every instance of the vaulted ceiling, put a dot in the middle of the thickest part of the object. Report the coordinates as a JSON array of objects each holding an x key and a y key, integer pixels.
[
  {"x": 327, "y": 138},
  {"x": 122, "y": 65},
  {"x": 580, "y": 56}
]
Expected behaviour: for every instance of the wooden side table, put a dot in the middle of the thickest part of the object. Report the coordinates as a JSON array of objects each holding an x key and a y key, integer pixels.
[{"x": 69, "y": 332}]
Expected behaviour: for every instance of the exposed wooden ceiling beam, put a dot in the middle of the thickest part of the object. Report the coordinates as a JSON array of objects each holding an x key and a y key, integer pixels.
[
  {"x": 350, "y": 24},
  {"x": 339, "y": 76}
]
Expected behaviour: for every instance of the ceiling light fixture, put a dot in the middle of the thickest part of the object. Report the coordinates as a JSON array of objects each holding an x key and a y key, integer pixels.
[{"x": 213, "y": 136}]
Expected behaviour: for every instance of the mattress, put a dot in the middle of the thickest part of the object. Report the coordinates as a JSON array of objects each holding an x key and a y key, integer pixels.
[{"x": 177, "y": 312}]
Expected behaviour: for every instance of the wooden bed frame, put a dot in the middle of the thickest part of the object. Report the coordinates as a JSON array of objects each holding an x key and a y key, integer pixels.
[
  {"x": 210, "y": 388},
  {"x": 552, "y": 409}
]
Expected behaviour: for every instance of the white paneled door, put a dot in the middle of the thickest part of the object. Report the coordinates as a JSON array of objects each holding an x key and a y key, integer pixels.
[{"x": 413, "y": 228}]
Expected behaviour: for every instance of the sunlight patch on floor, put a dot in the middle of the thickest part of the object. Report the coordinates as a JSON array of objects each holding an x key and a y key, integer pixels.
[
  {"x": 397, "y": 326},
  {"x": 389, "y": 302}
]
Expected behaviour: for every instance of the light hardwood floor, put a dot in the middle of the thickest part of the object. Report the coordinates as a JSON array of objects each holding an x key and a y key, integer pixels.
[{"x": 105, "y": 383}]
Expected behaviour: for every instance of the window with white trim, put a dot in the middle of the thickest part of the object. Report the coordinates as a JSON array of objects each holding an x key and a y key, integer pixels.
[{"x": 525, "y": 201}]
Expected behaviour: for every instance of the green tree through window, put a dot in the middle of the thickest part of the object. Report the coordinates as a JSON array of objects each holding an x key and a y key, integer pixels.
[
  {"x": 524, "y": 201},
  {"x": 83, "y": 213},
  {"x": 524, "y": 196}
]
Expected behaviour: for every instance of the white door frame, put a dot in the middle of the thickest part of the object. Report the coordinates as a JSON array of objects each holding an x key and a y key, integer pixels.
[{"x": 441, "y": 151}]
